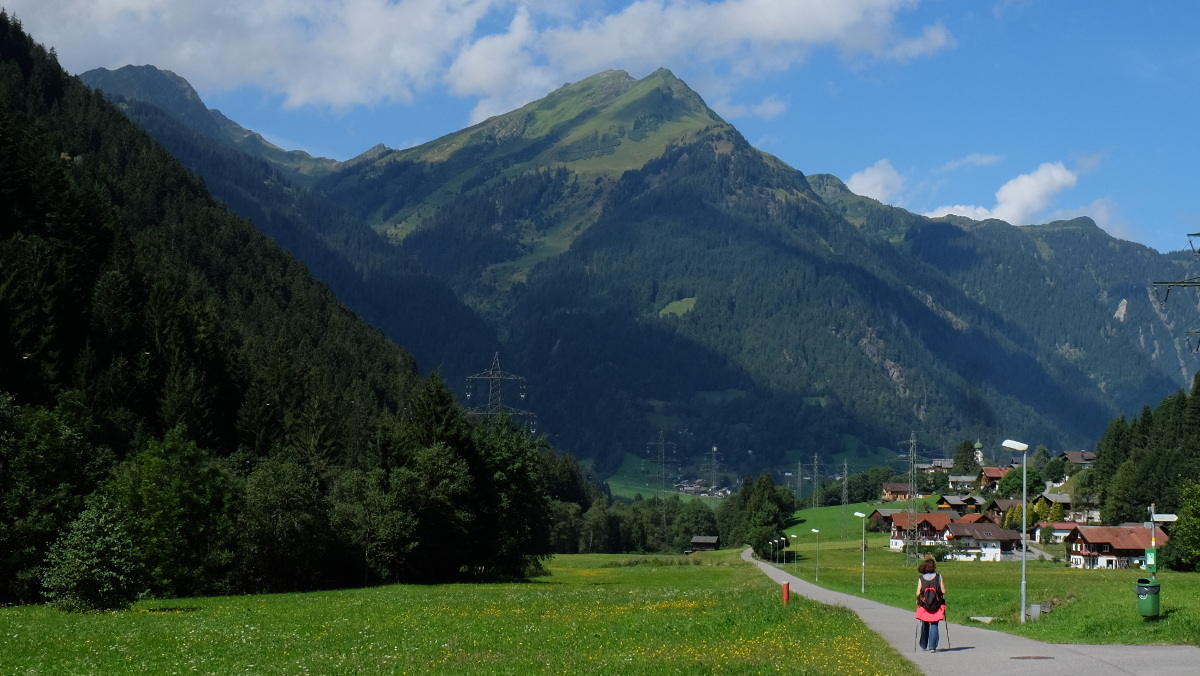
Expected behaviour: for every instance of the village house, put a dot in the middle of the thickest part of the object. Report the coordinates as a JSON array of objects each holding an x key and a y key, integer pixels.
[
  {"x": 930, "y": 526},
  {"x": 1111, "y": 546},
  {"x": 966, "y": 504},
  {"x": 705, "y": 543},
  {"x": 996, "y": 508},
  {"x": 980, "y": 541},
  {"x": 1079, "y": 458},
  {"x": 989, "y": 477},
  {"x": 1058, "y": 531},
  {"x": 936, "y": 465},
  {"x": 1049, "y": 500},
  {"x": 974, "y": 518},
  {"x": 881, "y": 519},
  {"x": 895, "y": 491},
  {"x": 961, "y": 483}
]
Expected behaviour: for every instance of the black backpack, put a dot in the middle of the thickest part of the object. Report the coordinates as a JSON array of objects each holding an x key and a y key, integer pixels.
[{"x": 931, "y": 594}]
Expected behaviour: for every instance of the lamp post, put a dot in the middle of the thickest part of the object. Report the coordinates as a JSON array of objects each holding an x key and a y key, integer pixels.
[
  {"x": 796, "y": 558},
  {"x": 863, "y": 518},
  {"x": 817, "y": 577},
  {"x": 779, "y": 549},
  {"x": 1022, "y": 449}
]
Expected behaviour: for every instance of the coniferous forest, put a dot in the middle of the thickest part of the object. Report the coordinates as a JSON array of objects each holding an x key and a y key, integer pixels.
[{"x": 185, "y": 405}]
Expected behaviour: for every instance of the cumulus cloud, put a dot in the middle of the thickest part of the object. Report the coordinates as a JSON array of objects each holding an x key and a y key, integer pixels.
[
  {"x": 879, "y": 181},
  {"x": 340, "y": 53},
  {"x": 1020, "y": 198}
]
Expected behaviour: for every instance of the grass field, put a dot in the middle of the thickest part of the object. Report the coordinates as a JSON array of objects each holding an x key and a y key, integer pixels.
[
  {"x": 1089, "y": 606},
  {"x": 594, "y": 614}
]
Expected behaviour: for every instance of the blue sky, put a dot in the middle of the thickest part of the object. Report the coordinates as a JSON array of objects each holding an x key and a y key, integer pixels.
[{"x": 1026, "y": 110}]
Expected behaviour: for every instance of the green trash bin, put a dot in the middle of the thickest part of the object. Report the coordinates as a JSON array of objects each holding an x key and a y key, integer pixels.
[{"x": 1148, "y": 597}]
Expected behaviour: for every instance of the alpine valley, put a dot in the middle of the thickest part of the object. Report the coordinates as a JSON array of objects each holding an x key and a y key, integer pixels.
[{"x": 647, "y": 270}]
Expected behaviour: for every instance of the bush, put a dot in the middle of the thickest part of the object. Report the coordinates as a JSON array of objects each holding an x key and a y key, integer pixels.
[{"x": 93, "y": 567}]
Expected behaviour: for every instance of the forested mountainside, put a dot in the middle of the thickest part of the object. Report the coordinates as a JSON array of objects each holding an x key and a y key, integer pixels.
[
  {"x": 647, "y": 270},
  {"x": 177, "y": 388},
  {"x": 378, "y": 281}
]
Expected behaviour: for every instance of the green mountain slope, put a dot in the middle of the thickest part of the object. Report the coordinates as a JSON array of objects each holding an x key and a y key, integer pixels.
[
  {"x": 380, "y": 282},
  {"x": 175, "y": 96},
  {"x": 651, "y": 270},
  {"x": 647, "y": 269}
]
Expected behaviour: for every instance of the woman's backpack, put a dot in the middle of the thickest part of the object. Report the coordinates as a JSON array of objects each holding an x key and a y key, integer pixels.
[{"x": 931, "y": 594}]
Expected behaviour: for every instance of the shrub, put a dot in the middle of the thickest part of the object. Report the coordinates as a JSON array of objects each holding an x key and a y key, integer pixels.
[{"x": 93, "y": 566}]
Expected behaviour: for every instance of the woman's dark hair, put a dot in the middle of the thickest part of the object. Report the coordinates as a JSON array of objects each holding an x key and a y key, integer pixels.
[{"x": 927, "y": 566}]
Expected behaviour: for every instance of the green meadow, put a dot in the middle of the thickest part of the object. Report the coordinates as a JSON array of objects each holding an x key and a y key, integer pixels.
[
  {"x": 1087, "y": 606},
  {"x": 707, "y": 614}
]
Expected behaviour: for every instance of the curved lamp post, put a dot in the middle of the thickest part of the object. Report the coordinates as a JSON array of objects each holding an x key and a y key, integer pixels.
[
  {"x": 817, "y": 577},
  {"x": 796, "y": 558},
  {"x": 1022, "y": 449},
  {"x": 863, "y": 517}
]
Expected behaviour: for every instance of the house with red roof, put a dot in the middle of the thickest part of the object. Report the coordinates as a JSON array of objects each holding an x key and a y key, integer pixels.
[
  {"x": 929, "y": 527},
  {"x": 1111, "y": 546}
]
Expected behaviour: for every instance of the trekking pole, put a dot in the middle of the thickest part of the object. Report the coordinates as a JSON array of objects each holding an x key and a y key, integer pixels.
[
  {"x": 916, "y": 632},
  {"x": 947, "y": 621}
]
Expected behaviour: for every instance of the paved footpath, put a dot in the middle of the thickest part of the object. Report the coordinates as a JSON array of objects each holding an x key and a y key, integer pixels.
[{"x": 975, "y": 650}]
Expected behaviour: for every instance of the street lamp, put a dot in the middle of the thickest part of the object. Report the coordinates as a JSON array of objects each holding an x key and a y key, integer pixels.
[
  {"x": 1022, "y": 449},
  {"x": 863, "y": 518},
  {"x": 817, "y": 577},
  {"x": 796, "y": 558}
]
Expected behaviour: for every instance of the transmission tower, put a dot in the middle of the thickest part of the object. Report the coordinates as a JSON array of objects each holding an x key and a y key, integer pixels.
[
  {"x": 495, "y": 405},
  {"x": 713, "y": 466},
  {"x": 845, "y": 492},
  {"x": 662, "y": 452},
  {"x": 910, "y": 530},
  {"x": 816, "y": 480}
]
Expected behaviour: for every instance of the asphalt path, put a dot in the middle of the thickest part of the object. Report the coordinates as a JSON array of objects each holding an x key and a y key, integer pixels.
[{"x": 975, "y": 650}]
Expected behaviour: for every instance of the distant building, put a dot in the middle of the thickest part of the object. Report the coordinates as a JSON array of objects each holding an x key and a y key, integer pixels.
[
  {"x": 1058, "y": 531},
  {"x": 929, "y": 526},
  {"x": 963, "y": 505},
  {"x": 1079, "y": 458},
  {"x": 705, "y": 543},
  {"x": 989, "y": 477},
  {"x": 895, "y": 491},
  {"x": 981, "y": 541},
  {"x": 1111, "y": 546}
]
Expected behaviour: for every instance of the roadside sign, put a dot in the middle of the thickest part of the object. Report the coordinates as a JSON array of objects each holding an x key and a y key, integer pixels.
[{"x": 1165, "y": 517}]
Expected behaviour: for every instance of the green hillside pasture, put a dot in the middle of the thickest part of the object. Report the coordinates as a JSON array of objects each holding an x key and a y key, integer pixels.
[
  {"x": 1088, "y": 606},
  {"x": 594, "y": 614},
  {"x": 639, "y": 476}
]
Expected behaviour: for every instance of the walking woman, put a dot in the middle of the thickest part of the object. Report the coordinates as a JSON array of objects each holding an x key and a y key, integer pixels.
[{"x": 931, "y": 603}]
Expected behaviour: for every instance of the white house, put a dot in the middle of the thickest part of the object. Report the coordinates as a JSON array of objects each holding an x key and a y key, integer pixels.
[{"x": 980, "y": 541}]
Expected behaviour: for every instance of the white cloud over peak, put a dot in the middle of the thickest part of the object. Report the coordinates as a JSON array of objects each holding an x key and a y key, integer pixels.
[
  {"x": 343, "y": 53},
  {"x": 1018, "y": 200},
  {"x": 879, "y": 181}
]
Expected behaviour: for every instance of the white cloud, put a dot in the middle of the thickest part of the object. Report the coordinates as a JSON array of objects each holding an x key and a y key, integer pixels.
[
  {"x": 1104, "y": 212},
  {"x": 341, "y": 53},
  {"x": 1019, "y": 199},
  {"x": 972, "y": 160},
  {"x": 768, "y": 108},
  {"x": 879, "y": 181}
]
